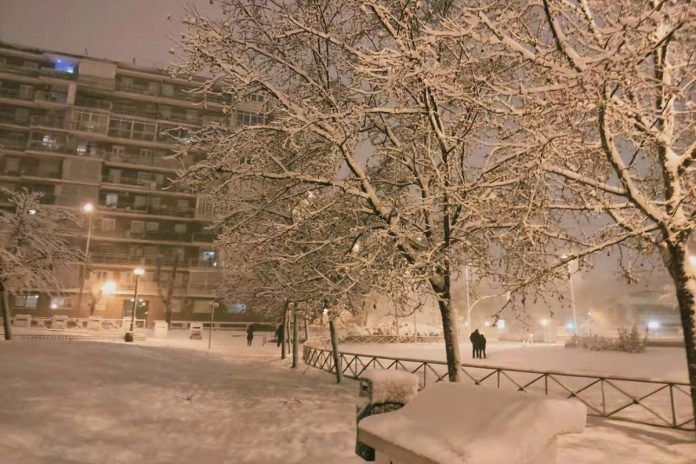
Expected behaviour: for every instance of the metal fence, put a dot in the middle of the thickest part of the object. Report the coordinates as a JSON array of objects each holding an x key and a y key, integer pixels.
[{"x": 644, "y": 401}]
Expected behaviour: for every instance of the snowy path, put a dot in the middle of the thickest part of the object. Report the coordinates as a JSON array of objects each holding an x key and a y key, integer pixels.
[{"x": 104, "y": 403}]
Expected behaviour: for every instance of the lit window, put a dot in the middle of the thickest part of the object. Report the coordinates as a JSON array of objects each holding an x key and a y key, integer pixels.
[
  {"x": 111, "y": 199},
  {"x": 30, "y": 301},
  {"x": 108, "y": 224},
  {"x": 65, "y": 66},
  {"x": 60, "y": 302}
]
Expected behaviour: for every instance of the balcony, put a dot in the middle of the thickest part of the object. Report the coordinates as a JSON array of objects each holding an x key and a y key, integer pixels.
[
  {"x": 12, "y": 118},
  {"x": 16, "y": 93},
  {"x": 204, "y": 236},
  {"x": 157, "y": 159},
  {"x": 96, "y": 103},
  {"x": 136, "y": 88},
  {"x": 133, "y": 181},
  {"x": 51, "y": 97},
  {"x": 160, "y": 210},
  {"x": 35, "y": 72},
  {"x": 48, "y": 121},
  {"x": 11, "y": 143}
]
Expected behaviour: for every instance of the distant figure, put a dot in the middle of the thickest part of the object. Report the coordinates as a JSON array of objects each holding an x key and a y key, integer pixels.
[
  {"x": 530, "y": 336},
  {"x": 482, "y": 346},
  {"x": 250, "y": 334},
  {"x": 474, "y": 337},
  {"x": 280, "y": 335}
]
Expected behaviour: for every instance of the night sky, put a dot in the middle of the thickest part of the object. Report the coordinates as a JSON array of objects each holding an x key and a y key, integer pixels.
[{"x": 115, "y": 29}]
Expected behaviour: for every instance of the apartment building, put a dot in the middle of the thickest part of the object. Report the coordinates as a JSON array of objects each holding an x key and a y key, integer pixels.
[{"x": 91, "y": 131}]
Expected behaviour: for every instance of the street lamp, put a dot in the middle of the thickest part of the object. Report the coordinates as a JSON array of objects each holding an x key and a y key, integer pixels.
[
  {"x": 87, "y": 208},
  {"x": 572, "y": 290},
  {"x": 138, "y": 271},
  {"x": 692, "y": 260}
]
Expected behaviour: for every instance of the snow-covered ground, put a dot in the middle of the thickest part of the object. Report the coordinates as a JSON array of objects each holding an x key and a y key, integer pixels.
[{"x": 173, "y": 401}]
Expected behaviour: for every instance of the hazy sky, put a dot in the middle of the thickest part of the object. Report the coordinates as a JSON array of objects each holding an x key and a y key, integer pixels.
[{"x": 116, "y": 29}]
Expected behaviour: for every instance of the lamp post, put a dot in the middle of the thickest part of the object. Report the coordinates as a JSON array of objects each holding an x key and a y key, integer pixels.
[
  {"x": 572, "y": 291},
  {"x": 138, "y": 271},
  {"x": 88, "y": 208},
  {"x": 213, "y": 305}
]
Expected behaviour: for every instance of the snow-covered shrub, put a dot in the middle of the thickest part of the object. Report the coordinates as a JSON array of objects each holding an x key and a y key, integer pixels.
[{"x": 628, "y": 341}]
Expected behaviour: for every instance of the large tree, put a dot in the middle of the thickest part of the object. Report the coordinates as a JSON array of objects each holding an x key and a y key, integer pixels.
[
  {"x": 35, "y": 247},
  {"x": 596, "y": 107},
  {"x": 365, "y": 104}
]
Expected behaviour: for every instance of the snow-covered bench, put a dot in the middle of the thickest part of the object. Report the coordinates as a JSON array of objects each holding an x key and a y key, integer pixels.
[{"x": 459, "y": 423}]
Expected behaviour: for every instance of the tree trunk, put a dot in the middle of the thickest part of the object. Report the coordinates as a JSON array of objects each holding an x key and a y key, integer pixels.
[
  {"x": 170, "y": 292},
  {"x": 285, "y": 331},
  {"x": 449, "y": 327},
  {"x": 295, "y": 337},
  {"x": 334, "y": 349},
  {"x": 306, "y": 329},
  {"x": 6, "y": 314},
  {"x": 684, "y": 276}
]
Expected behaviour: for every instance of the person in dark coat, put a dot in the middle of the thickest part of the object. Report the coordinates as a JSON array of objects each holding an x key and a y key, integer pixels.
[
  {"x": 250, "y": 334},
  {"x": 474, "y": 337},
  {"x": 280, "y": 335},
  {"x": 482, "y": 346}
]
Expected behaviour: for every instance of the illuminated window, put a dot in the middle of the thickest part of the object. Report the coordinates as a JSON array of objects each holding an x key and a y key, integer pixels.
[{"x": 29, "y": 301}]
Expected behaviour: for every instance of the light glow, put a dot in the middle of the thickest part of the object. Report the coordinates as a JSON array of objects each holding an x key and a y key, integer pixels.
[
  {"x": 653, "y": 325},
  {"x": 544, "y": 322},
  {"x": 108, "y": 287},
  {"x": 88, "y": 208},
  {"x": 139, "y": 271}
]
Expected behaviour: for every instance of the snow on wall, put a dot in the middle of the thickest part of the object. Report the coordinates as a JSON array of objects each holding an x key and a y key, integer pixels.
[
  {"x": 461, "y": 424},
  {"x": 391, "y": 385}
]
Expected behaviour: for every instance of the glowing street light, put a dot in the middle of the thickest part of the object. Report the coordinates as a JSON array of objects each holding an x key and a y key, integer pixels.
[
  {"x": 692, "y": 260},
  {"x": 654, "y": 325},
  {"x": 32, "y": 212},
  {"x": 544, "y": 322},
  {"x": 108, "y": 287},
  {"x": 139, "y": 272},
  {"x": 87, "y": 208}
]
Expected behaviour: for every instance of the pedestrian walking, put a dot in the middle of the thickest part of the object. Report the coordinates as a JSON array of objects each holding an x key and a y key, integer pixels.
[{"x": 250, "y": 334}]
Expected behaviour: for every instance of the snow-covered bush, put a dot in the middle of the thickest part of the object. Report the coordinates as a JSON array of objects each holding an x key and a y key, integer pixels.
[{"x": 628, "y": 341}]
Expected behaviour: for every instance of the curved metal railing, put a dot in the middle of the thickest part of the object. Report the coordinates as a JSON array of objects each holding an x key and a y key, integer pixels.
[{"x": 656, "y": 402}]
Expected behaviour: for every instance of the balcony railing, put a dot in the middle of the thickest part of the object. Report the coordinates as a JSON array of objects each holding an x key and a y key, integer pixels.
[
  {"x": 204, "y": 236},
  {"x": 13, "y": 118},
  {"x": 48, "y": 121},
  {"x": 51, "y": 97},
  {"x": 13, "y": 143},
  {"x": 43, "y": 71},
  {"x": 124, "y": 180},
  {"x": 162, "y": 210},
  {"x": 16, "y": 93},
  {"x": 94, "y": 103}
]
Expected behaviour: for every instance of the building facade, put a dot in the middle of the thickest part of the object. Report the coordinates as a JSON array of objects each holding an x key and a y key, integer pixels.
[{"x": 85, "y": 131}]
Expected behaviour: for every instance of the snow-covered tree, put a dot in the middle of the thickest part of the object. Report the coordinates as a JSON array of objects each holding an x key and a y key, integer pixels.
[
  {"x": 366, "y": 105},
  {"x": 34, "y": 247},
  {"x": 596, "y": 108}
]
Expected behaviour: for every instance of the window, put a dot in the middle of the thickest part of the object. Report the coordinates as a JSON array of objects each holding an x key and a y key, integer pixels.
[
  {"x": 247, "y": 118},
  {"x": 145, "y": 155},
  {"x": 180, "y": 228},
  {"x": 168, "y": 90},
  {"x": 165, "y": 112},
  {"x": 22, "y": 114},
  {"x": 61, "y": 302},
  {"x": 111, "y": 199},
  {"x": 118, "y": 150},
  {"x": 26, "y": 92},
  {"x": 201, "y": 307},
  {"x": 140, "y": 201},
  {"x": 89, "y": 121},
  {"x": 182, "y": 203},
  {"x": 30, "y": 65},
  {"x": 137, "y": 227},
  {"x": 11, "y": 165},
  {"x": 255, "y": 97},
  {"x": 152, "y": 226},
  {"x": 108, "y": 224},
  {"x": 49, "y": 141},
  {"x": 176, "y": 306},
  {"x": 29, "y": 301}
]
